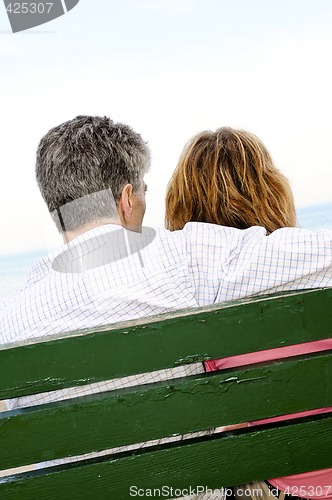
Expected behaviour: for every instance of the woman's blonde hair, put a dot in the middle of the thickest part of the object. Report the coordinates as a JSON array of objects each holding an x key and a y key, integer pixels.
[{"x": 228, "y": 177}]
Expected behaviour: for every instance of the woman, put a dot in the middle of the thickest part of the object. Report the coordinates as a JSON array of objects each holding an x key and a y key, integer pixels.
[{"x": 228, "y": 177}]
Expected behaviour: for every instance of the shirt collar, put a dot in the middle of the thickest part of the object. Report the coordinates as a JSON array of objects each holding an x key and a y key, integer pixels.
[{"x": 43, "y": 266}]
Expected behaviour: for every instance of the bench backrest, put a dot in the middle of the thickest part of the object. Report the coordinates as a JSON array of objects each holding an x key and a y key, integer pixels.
[{"x": 171, "y": 408}]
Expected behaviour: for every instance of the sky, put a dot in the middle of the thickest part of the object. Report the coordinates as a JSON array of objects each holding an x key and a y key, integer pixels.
[{"x": 170, "y": 69}]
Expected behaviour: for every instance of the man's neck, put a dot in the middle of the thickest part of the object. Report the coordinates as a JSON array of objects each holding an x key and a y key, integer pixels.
[{"x": 71, "y": 235}]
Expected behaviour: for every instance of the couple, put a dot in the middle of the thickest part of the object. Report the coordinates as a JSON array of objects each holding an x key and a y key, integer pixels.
[{"x": 231, "y": 233}]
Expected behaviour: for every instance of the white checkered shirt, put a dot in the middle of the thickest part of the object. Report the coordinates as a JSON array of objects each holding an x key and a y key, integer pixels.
[
  {"x": 92, "y": 281},
  {"x": 200, "y": 265}
]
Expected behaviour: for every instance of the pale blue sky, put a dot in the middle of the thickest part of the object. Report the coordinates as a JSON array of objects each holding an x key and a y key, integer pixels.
[{"x": 169, "y": 68}]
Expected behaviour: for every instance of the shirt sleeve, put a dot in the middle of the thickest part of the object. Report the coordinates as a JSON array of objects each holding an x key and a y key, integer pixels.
[{"x": 228, "y": 263}]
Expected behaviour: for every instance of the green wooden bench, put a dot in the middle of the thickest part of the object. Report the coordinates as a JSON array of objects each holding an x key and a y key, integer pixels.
[{"x": 147, "y": 412}]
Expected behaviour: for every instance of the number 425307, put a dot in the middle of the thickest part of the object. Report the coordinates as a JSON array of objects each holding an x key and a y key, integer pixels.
[{"x": 29, "y": 8}]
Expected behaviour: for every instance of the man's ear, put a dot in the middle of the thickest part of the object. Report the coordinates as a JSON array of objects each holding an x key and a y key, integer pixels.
[{"x": 125, "y": 203}]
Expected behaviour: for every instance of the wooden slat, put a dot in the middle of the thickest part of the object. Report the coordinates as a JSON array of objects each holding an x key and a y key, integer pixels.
[
  {"x": 153, "y": 411},
  {"x": 275, "y": 451},
  {"x": 163, "y": 342}
]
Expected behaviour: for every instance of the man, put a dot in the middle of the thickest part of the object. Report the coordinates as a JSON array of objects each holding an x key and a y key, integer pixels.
[{"x": 90, "y": 171}]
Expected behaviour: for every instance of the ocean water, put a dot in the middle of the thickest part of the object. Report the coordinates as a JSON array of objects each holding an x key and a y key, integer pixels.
[{"x": 13, "y": 268}]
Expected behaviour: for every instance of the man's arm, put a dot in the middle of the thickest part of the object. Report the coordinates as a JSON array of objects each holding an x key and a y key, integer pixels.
[{"x": 228, "y": 263}]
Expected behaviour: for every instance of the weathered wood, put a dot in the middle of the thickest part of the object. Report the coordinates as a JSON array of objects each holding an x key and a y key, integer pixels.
[
  {"x": 152, "y": 411},
  {"x": 162, "y": 409},
  {"x": 217, "y": 331},
  {"x": 215, "y": 462}
]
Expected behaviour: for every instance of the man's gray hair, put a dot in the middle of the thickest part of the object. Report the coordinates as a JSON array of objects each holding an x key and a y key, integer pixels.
[{"x": 88, "y": 159}]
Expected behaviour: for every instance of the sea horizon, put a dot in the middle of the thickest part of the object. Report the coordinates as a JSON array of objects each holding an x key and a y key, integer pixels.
[{"x": 14, "y": 266}]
